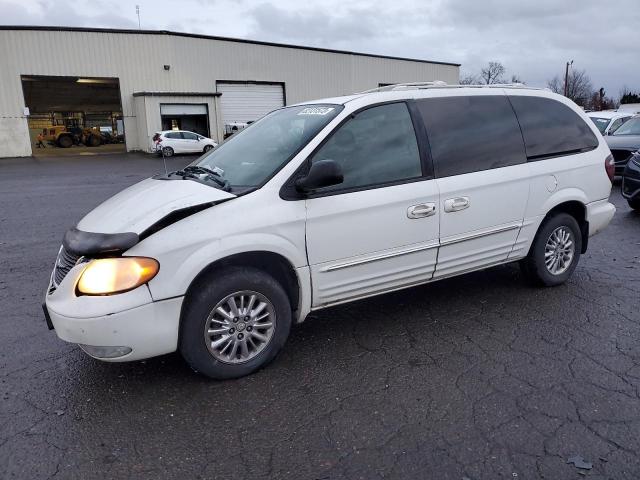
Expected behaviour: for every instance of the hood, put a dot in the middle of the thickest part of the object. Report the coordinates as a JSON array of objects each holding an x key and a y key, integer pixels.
[
  {"x": 623, "y": 141},
  {"x": 138, "y": 207}
]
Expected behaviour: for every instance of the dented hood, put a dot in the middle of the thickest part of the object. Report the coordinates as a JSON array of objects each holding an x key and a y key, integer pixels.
[{"x": 138, "y": 207}]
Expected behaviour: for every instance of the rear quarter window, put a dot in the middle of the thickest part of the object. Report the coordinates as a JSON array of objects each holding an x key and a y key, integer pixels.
[{"x": 550, "y": 128}]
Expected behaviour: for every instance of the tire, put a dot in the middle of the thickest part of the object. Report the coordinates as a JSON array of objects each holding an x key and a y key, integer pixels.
[
  {"x": 534, "y": 267},
  {"x": 207, "y": 148},
  {"x": 200, "y": 314},
  {"x": 167, "y": 151},
  {"x": 634, "y": 203},
  {"x": 93, "y": 141},
  {"x": 65, "y": 141}
]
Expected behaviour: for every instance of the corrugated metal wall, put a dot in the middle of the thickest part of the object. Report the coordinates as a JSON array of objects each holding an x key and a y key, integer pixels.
[{"x": 196, "y": 64}]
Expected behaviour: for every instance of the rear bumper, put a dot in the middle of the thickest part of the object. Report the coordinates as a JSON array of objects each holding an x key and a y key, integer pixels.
[{"x": 599, "y": 214}]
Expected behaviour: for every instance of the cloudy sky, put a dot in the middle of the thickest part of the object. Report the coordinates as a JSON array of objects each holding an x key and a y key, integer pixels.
[{"x": 532, "y": 38}]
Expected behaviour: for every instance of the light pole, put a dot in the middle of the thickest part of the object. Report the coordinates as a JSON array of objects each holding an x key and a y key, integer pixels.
[
  {"x": 566, "y": 77},
  {"x": 138, "y": 14}
]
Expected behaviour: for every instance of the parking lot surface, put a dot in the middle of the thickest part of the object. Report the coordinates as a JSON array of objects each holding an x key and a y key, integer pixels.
[{"x": 476, "y": 377}]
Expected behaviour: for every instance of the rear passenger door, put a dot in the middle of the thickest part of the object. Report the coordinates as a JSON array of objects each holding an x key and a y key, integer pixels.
[{"x": 482, "y": 176}]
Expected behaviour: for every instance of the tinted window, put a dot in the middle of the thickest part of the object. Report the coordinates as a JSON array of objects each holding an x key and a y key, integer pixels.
[
  {"x": 189, "y": 136},
  {"x": 551, "y": 128},
  {"x": 469, "y": 134},
  {"x": 377, "y": 146},
  {"x": 173, "y": 135}
]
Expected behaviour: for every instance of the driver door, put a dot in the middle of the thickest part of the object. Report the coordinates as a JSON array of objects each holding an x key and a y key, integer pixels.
[{"x": 378, "y": 230}]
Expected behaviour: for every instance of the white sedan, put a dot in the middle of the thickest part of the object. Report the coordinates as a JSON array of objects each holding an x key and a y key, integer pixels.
[{"x": 171, "y": 142}]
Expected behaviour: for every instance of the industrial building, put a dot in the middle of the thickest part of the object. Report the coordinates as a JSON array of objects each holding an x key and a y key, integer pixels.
[{"x": 125, "y": 85}]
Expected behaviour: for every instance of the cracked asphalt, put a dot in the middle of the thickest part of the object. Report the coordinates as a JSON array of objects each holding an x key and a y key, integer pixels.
[{"x": 476, "y": 377}]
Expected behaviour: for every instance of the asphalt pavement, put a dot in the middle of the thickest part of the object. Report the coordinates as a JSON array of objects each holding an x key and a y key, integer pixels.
[{"x": 475, "y": 377}]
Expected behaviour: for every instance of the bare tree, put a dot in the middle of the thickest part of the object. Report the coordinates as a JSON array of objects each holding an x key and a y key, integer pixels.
[
  {"x": 515, "y": 78},
  {"x": 492, "y": 73},
  {"x": 469, "y": 80},
  {"x": 579, "y": 88}
]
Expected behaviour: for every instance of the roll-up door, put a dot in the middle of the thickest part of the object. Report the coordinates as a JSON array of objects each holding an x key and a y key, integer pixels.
[{"x": 247, "y": 102}]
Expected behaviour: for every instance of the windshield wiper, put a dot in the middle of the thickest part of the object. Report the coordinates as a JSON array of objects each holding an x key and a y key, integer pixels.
[{"x": 193, "y": 171}]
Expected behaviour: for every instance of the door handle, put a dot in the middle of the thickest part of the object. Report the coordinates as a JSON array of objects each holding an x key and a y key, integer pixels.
[
  {"x": 456, "y": 204},
  {"x": 421, "y": 210}
]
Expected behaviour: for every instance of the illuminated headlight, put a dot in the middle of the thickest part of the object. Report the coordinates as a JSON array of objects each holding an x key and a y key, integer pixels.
[{"x": 106, "y": 276}]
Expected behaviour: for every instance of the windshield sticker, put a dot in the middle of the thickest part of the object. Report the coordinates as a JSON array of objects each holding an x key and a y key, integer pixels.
[{"x": 315, "y": 111}]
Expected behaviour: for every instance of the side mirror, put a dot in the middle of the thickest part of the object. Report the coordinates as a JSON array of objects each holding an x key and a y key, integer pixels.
[{"x": 322, "y": 173}]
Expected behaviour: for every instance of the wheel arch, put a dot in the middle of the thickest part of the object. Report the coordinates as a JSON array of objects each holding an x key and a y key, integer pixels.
[
  {"x": 270, "y": 262},
  {"x": 578, "y": 210}
]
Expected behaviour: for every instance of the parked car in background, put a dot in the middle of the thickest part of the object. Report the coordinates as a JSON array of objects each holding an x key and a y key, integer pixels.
[
  {"x": 608, "y": 121},
  {"x": 631, "y": 181},
  {"x": 328, "y": 202},
  {"x": 623, "y": 142},
  {"x": 171, "y": 142}
]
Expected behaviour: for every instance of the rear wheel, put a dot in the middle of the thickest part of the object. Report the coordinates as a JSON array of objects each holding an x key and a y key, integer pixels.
[
  {"x": 555, "y": 252},
  {"x": 234, "y": 323},
  {"x": 65, "y": 141},
  {"x": 634, "y": 203},
  {"x": 207, "y": 148},
  {"x": 167, "y": 151}
]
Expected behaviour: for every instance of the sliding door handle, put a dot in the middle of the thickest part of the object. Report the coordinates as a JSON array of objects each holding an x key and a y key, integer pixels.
[
  {"x": 421, "y": 210},
  {"x": 456, "y": 204}
]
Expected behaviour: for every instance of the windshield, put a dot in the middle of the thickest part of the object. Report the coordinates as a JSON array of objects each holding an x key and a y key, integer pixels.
[
  {"x": 251, "y": 156},
  {"x": 601, "y": 123},
  {"x": 630, "y": 127}
]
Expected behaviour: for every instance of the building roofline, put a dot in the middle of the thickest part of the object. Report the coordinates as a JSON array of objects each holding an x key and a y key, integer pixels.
[{"x": 211, "y": 37}]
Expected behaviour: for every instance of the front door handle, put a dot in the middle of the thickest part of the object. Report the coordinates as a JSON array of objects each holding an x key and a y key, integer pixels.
[
  {"x": 456, "y": 204},
  {"x": 421, "y": 210}
]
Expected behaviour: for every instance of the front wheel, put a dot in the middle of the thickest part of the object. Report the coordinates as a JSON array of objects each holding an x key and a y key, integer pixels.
[
  {"x": 234, "y": 323},
  {"x": 207, "y": 148},
  {"x": 555, "y": 252}
]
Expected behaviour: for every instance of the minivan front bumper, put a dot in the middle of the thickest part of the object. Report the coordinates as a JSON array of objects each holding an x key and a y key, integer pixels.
[
  {"x": 142, "y": 332},
  {"x": 115, "y": 328}
]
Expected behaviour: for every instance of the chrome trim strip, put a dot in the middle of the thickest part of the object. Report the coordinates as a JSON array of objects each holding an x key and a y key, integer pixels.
[
  {"x": 381, "y": 256},
  {"x": 472, "y": 236}
]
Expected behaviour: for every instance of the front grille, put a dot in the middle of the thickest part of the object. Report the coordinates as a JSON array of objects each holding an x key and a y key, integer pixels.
[
  {"x": 621, "y": 156},
  {"x": 65, "y": 262}
]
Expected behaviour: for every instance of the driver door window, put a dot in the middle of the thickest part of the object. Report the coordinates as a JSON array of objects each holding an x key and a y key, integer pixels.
[{"x": 377, "y": 146}]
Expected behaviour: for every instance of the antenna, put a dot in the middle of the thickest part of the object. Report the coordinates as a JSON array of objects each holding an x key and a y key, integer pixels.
[
  {"x": 164, "y": 160},
  {"x": 138, "y": 14}
]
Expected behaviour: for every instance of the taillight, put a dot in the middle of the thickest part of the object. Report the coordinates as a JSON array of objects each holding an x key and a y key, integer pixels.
[{"x": 610, "y": 167}]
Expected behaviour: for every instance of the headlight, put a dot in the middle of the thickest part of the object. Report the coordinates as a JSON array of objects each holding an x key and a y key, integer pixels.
[{"x": 104, "y": 276}]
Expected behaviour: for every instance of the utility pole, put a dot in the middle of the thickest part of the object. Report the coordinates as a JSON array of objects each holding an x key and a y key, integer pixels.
[
  {"x": 566, "y": 77},
  {"x": 138, "y": 14}
]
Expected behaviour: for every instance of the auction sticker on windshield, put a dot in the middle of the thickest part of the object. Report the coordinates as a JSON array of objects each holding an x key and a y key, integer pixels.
[{"x": 315, "y": 111}]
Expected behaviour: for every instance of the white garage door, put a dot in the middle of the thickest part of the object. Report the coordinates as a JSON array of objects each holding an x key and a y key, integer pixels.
[
  {"x": 183, "y": 109},
  {"x": 247, "y": 102}
]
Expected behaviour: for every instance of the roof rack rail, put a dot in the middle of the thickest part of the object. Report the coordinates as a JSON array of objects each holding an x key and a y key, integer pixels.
[{"x": 441, "y": 84}]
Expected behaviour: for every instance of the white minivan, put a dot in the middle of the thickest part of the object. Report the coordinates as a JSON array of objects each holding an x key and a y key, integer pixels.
[{"x": 328, "y": 202}]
